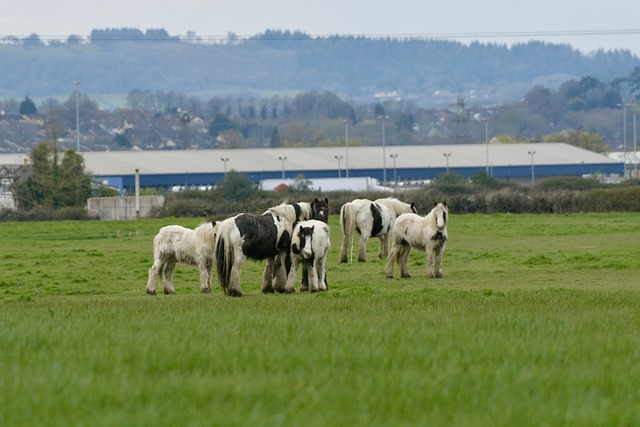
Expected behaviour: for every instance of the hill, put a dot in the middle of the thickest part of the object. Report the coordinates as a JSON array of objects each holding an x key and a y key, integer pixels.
[{"x": 118, "y": 61}]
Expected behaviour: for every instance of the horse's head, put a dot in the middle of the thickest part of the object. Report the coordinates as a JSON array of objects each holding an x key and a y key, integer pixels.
[
  {"x": 305, "y": 237},
  {"x": 320, "y": 210},
  {"x": 441, "y": 212}
]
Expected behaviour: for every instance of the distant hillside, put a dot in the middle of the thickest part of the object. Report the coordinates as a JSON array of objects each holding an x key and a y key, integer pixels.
[{"x": 354, "y": 67}]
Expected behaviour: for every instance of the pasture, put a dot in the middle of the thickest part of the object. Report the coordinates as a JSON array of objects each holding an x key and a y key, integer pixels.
[{"x": 536, "y": 322}]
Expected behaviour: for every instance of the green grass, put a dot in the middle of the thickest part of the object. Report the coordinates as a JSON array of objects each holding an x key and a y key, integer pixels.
[{"x": 536, "y": 323}]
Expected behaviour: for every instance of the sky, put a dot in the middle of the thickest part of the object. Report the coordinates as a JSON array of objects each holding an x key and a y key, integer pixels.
[{"x": 586, "y": 25}]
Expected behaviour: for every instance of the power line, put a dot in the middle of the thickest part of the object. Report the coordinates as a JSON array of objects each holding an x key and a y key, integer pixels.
[{"x": 298, "y": 36}]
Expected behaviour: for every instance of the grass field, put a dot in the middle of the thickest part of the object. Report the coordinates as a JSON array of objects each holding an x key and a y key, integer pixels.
[{"x": 537, "y": 322}]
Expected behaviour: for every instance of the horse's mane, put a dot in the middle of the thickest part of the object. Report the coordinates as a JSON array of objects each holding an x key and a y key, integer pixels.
[
  {"x": 396, "y": 205},
  {"x": 205, "y": 230},
  {"x": 288, "y": 211}
]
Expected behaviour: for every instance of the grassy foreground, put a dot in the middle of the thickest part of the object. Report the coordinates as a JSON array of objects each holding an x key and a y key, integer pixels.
[{"x": 537, "y": 322}]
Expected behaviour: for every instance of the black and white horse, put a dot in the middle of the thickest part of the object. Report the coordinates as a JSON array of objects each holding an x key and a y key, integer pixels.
[
  {"x": 427, "y": 233},
  {"x": 265, "y": 237},
  {"x": 371, "y": 219},
  {"x": 310, "y": 246},
  {"x": 174, "y": 244}
]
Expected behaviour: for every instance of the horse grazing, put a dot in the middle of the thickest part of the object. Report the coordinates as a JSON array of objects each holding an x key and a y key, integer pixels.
[
  {"x": 265, "y": 237},
  {"x": 371, "y": 219},
  {"x": 310, "y": 245},
  {"x": 427, "y": 233},
  {"x": 174, "y": 244}
]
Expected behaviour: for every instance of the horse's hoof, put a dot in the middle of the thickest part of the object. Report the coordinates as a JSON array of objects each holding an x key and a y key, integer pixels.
[
  {"x": 150, "y": 292},
  {"x": 205, "y": 291},
  {"x": 406, "y": 276},
  {"x": 304, "y": 288},
  {"x": 362, "y": 260},
  {"x": 289, "y": 291},
  {"x": 389, "y": 276},
  {"x": 234, "y": 293},
  {"x": 268, "y": 291},
  {"x": 169, "y": 292},
  {"x": 343, "y": 260},
  {"x": 313, "y": 291}
]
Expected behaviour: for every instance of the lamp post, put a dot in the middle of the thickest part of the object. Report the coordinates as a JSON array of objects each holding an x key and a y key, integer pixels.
[
  {"x": 447, "y": 155},
  {"x": 77, "y": 83},
  {"x": 486, "y": 142},
  {"x": 282, "y": 159},
  {"x": 346, "y": 147},
  {"x": 384, "y": 149},
  {"x": 635, "y": 159},
  {"x": 624, "y": 139},
  {"x": 533, "y": 175},
  {"x": 338, "y": 158},
  {"x": 394, "y": 156},
  {"x": 225, "y": 160}
]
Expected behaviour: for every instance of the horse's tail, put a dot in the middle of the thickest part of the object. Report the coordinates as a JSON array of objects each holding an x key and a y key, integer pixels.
[
  {"x": 224, "y": 256},
  {"x": 348, "y": 222}
]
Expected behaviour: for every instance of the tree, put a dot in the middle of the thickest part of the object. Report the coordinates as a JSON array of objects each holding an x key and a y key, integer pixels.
[
  {"x": 52, "y": 186},
  {"x": 236, "y": 186},
  {"x": 28, "y": 107}
]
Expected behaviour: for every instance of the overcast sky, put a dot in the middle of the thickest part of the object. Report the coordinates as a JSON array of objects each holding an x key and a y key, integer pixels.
[{"x": 585, "y": 24}]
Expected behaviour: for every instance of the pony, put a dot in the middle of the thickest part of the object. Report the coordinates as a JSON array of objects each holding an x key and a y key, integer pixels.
[
  {"x": 370, "y": 219},
  {"x": 265, "y": 237},
  {"x": 427, "y": 233},
  {"x": 310, "y": 245},
  {"x": 174, "y": 244},
  {"x": 301, "y": 211}
]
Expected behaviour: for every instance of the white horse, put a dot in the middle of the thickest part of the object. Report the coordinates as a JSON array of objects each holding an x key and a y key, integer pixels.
[
  {"x": 427, "y": 233},
  {"x": 371, "y": 219},
  {"x": 310, "y": 245},
  {"x": 174, "y": 244}
]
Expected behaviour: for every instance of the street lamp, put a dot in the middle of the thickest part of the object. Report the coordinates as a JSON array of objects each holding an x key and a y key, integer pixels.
[
  {"x": 77, "y": 83},
  {"x": 533, "y": 175},
  {"x": 635, "y": 159},
  {"x": 346, "y": 147},
  {"x": 225, "y": 160},
  {"x": 282, "y": 159},
  {"x": 624, "y": 139},
  {"x": 447, "y": 155},
  {"x": 384, "y": 148},
  {"x": 185, "y": 119},
  {"x": 338, "y": 158},
  {"x": 486, "y": 141},
  {"x": 394, "y": 156}
]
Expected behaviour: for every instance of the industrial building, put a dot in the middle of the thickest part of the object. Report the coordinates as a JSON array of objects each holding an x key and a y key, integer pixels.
[{"x": 206, "y": 168}]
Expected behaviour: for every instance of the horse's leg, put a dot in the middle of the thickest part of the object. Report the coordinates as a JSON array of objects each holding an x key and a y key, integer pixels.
[
  {"x": 322, "y": 273},
  {"x": 384, "y": 246},
  {"x": 391, "y": 258},
  {"x": 293, "y": 273},
  {"x": 344, "y": 248},
  {"x": 168, "y": 277},
  {"x": 234, "y": 277},
  {"x": 430, "y": 260},
  {"x": 404, "y": 261},
  {"x": 304, "y": 286},
  {"x": 313, "y": 276},
  {"x": 205, "y": 272},
  {"x": 362, "y": 250},
  {"x": 438, "y": 262},
  {"x": 210, "y": 270},
  {"x": 154, "y": 272},
  {"x": 281, "y": 275}
]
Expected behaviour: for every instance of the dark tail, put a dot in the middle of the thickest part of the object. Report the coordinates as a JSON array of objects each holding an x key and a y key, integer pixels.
[{"x": 224, "y": 260}]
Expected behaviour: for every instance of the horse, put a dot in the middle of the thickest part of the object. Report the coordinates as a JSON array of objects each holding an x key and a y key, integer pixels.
[
  {"x": 301, "y": 211},
  {"x": 310, "y": 245},
  {"x": 427, "y": 233},
  {"x": 174, "y": 244},
  {"x": 264, "y": 237},
  {"x": 371, "y": 219}
]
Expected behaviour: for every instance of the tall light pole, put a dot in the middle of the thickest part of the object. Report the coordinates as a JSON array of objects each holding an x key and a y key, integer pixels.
[
  {"x": 394, "y": 156},
  {"x": 346, "y": 147},
  {"x": 225, "y": 160},
  {"x": 384, "y": 149},
  {"x": 486, "y": 141},
  {"x": 338, "y": 158},
  {"x": 533, "y": 174},
  {"x": 77, "y": 83},
  {"x": 447, "y": 155},
  {"x": 282, "y": 159},
  {"x": 624, "y": 139},
  {"x": 635, "y": 159}
]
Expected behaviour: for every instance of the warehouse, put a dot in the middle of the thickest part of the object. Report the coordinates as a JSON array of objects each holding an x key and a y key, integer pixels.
[{"x": 205, "y": 168}]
